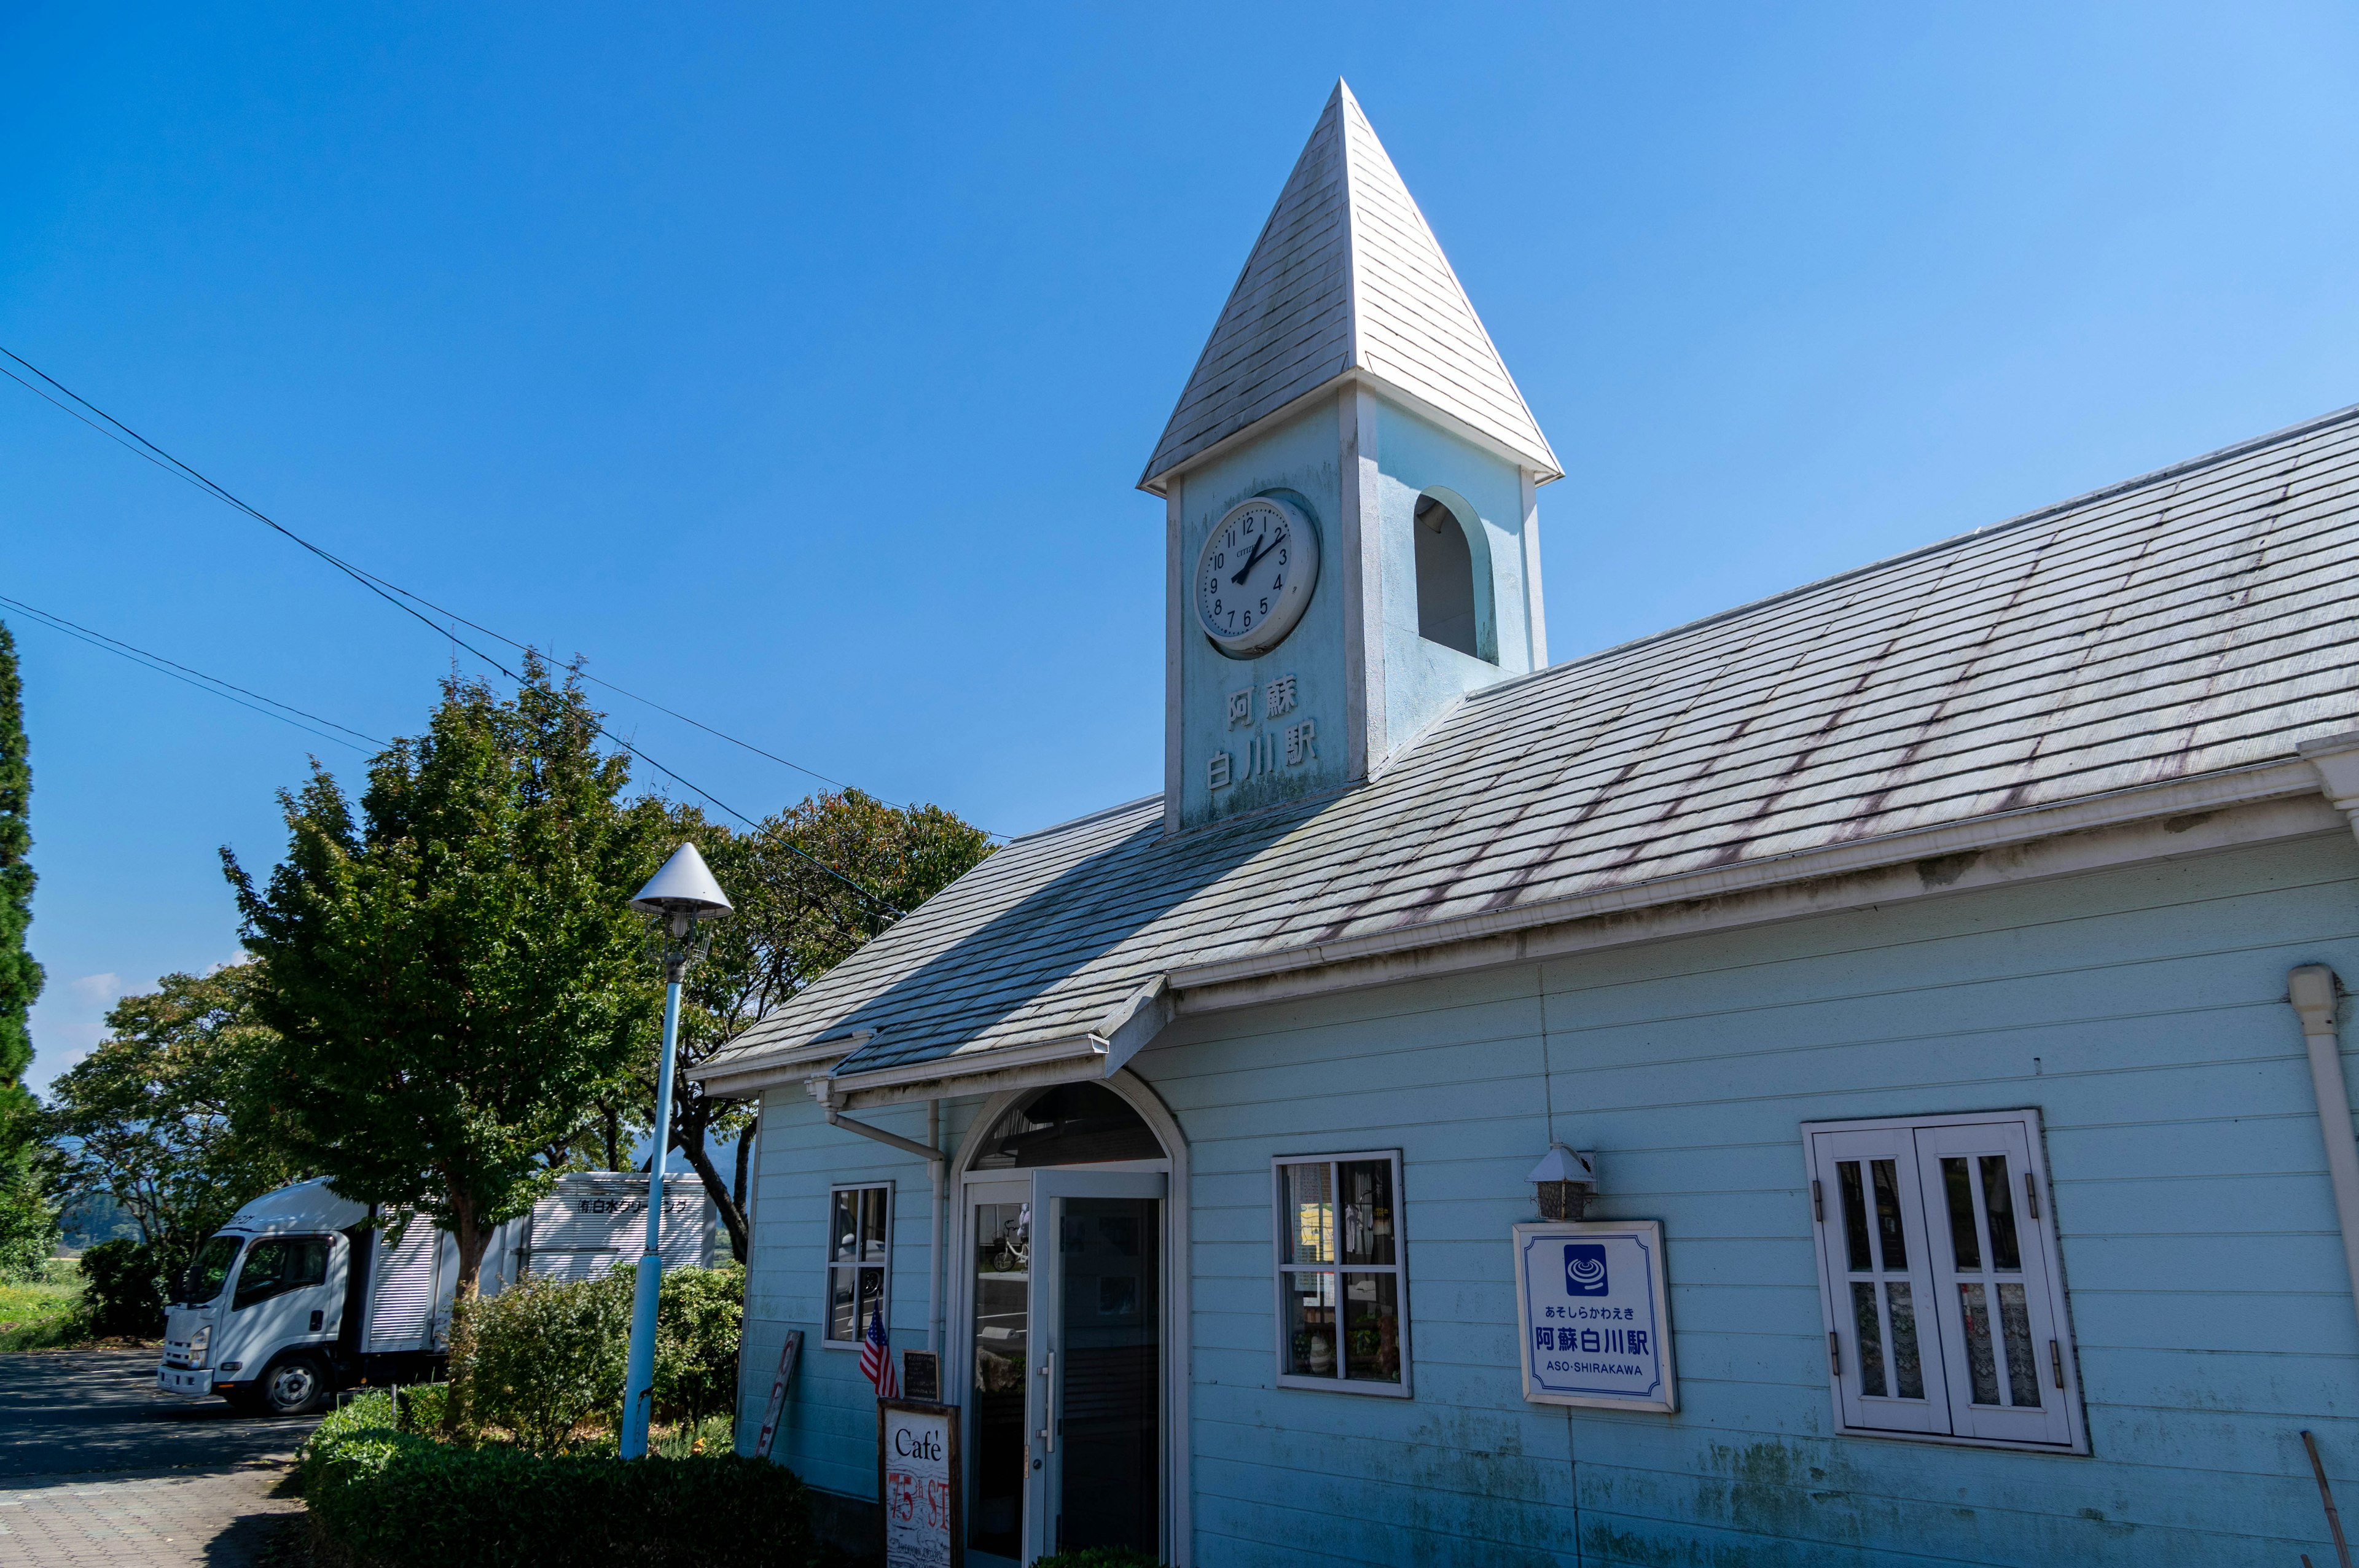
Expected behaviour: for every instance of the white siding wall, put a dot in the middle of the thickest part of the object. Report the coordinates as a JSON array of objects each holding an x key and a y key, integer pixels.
[
  {"x": 828, "y": 1436},
  {"x": 2141, "y": 1010}
]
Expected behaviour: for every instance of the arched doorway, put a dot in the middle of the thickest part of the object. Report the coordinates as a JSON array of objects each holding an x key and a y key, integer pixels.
[{"x": 1069, "y": 1327}]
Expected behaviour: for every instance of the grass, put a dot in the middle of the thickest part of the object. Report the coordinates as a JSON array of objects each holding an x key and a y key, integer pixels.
[
  {"x": 713, "y": 1435},
  {"x": 45, "y": 1314}
]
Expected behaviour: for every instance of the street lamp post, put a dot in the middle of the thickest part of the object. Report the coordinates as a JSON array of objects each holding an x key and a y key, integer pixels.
[{"x": 683, "y": 894}]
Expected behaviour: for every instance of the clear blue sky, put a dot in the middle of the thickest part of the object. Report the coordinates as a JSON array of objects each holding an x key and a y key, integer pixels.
[{"x": 787, "y": 362}]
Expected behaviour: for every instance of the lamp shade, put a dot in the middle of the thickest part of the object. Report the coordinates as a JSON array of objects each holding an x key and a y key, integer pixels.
[
  {"x": 1561, "y": 1165},
  {"x": 684, "y": 886}
]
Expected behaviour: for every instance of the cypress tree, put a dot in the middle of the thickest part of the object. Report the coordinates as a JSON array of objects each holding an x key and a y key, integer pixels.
[
  {"x": 20, "y": 976},
  {"x": 28, "y": 1226}
]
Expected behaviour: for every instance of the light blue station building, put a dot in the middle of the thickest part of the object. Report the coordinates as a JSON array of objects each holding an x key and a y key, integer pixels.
[{"x": 1926, "y": 977}]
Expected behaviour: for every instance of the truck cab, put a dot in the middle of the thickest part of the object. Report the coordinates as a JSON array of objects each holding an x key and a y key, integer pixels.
[{"x": 259, "y": 1316}]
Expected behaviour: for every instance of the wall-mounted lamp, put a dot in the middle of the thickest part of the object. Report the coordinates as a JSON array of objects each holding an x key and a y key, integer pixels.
[{"x": 1566, "y": 1180}]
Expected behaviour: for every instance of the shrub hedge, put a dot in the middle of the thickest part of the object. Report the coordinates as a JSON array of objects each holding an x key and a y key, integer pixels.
[
  {"x": 124, "y": 1289},
  {"x": 385, "y": 1499},
  {"x": 546, "y": 1356},
  {"x": 700, "y": 1319}
]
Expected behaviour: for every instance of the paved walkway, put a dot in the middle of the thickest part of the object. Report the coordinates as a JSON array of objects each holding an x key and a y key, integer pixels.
[{"x": 97, "y": 1468}]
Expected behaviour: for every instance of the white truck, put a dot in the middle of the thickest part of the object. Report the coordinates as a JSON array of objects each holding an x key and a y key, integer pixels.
[{"x": 303, "y": 1293}]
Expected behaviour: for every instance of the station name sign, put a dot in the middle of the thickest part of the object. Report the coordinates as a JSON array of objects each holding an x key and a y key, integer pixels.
[{"x": 1590, "y": 1303}]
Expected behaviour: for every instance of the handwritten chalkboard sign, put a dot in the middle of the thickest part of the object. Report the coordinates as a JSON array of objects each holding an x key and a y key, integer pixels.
[
  {"x": 921, "y": 1378},
  {"x": 1592, "y": 1304},
  {"x": 917, "y": 1479}
]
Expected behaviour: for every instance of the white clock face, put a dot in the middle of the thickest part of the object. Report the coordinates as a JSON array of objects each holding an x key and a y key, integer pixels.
[{"x": 1255, "y": 575}]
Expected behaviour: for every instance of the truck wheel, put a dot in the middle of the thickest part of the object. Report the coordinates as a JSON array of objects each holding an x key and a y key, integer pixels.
[{"x": 297, "y": 1386}]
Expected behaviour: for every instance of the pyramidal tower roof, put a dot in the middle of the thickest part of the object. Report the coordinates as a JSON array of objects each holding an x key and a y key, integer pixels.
[{"x": 1347, "y": 277}]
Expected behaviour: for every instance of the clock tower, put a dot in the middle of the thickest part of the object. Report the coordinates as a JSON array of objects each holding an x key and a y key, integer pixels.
[{"x": 1351, "y": 543}]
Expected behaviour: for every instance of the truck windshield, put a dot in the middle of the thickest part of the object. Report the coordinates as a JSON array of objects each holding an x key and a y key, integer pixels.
[{"x": 206, "y": 1276}]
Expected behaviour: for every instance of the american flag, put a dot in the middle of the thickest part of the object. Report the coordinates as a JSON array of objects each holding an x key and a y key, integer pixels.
[{"x": 876, "y": 1356}]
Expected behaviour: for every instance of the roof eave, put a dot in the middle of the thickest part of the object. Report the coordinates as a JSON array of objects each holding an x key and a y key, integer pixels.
[
  {"x": 1542, "y": 465},
  {"x": 2257, "y": 785}
]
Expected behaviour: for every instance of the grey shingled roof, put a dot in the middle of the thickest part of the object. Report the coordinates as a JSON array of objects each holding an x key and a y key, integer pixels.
[
  {"x": 2196, "y": 620},
  {"x": 1346, "y": 276}
]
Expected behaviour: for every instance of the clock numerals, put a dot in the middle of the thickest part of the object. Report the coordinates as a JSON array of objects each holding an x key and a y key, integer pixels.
[{"x": 1267, "y": 554}]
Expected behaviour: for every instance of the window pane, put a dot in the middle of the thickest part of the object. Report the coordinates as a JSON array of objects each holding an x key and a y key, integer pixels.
[
  {"x": 1310, "y": 1324},
  {"x": 842, "y": 1304},
  {"x": 1891, "y": 1246},
  {"x": 1907, "y": 1370},
  {"x": 2015, "y": 1327},
  {"x": 1855, "y": 1208},
  {"x": 265, "y": 1270},
  {"x": 1965, "y": 1242},
  {"x": 1980, "y": 1369},
  {"x": 1368, "y": 1212},
  {"x": 1372, "y": 1327},
  {"x": 843, "y": 1227},
  {"x": 1002, "y": 1257},
  {"x": 872, "y": 1297},
  {"x": 1309, "y": 1213},
  {"x": 1998, "y": 1199},
  {"x": 206, "y": 1276},
  {"x": 307, "y": 1262},
  {"x": 872, "y": 1222},
  {"x": 1870, "y": 1332}
]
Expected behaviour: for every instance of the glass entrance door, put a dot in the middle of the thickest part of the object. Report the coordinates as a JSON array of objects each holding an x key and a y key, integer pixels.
[
  {"x": 1067, "y": 1363},
  {"x": 1107, "y": 1347},
  {"x": 999, "y": 1378}
]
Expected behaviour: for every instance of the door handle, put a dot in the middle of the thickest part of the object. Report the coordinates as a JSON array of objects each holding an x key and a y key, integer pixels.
[
  {"x": 315, "y": 1320},
  {"x": 1049, "y": 1404}
]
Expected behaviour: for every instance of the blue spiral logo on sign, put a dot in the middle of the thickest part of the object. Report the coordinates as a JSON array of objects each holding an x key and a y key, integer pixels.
[{"x": 1584, "y": 1268}]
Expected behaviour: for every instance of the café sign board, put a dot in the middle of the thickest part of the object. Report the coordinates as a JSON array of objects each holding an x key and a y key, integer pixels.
[
  {"x": 918, "y": 1480},
  {"x": 1595, "y": 1323}
]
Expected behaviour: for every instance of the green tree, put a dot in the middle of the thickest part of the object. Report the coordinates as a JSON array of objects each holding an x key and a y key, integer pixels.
[
  {"x": 161, "y": 1117},
  {"x": 28, "y": 1222},
  {"x": 793, "y": 923},
  {"x": 20, "y": 976},
  {"x": 453, "y": 972}
]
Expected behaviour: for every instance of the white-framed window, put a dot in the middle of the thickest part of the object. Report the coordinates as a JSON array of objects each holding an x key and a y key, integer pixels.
[
  {"x": 859, "y": 1261},
  {"x": 1942, "y": 1285},
  {"x": 1343, "y": 1276}
]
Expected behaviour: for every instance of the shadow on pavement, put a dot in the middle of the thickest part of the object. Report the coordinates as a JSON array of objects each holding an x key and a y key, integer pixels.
[
  {"x": 72, "y": 1412},
  {"x": 262, "y": 1540}
]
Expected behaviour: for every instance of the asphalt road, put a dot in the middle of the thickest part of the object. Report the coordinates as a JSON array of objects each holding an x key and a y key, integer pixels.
[{"x": 98, "y": 1466}]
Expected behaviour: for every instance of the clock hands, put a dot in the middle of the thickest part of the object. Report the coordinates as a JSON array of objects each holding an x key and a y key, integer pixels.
[{"x": 1260, "y": 550}]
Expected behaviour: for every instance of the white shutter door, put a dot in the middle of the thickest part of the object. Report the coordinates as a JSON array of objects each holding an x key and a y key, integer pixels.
[
  {"x": 402, "y": 1290},
  {"x": 1871, "y": 1233},
  {"x": 1995, "y": 1278}
]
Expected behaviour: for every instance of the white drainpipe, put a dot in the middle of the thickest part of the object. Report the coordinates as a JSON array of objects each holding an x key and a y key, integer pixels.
[
  {"x": 2312, "y": 991},
  {"x": 934, "y": 1251}
]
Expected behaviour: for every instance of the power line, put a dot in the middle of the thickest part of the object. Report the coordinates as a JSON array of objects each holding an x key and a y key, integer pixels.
[
  {"x": 399, "y": 599},
  {"x": 195, "y": 678},
  {"x": 141, "y": 447}
]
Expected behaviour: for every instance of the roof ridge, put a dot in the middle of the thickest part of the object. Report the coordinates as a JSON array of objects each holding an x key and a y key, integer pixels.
[
  {"x": 2022, "y": 519},
  {"x": 1100, "y": 814}
]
